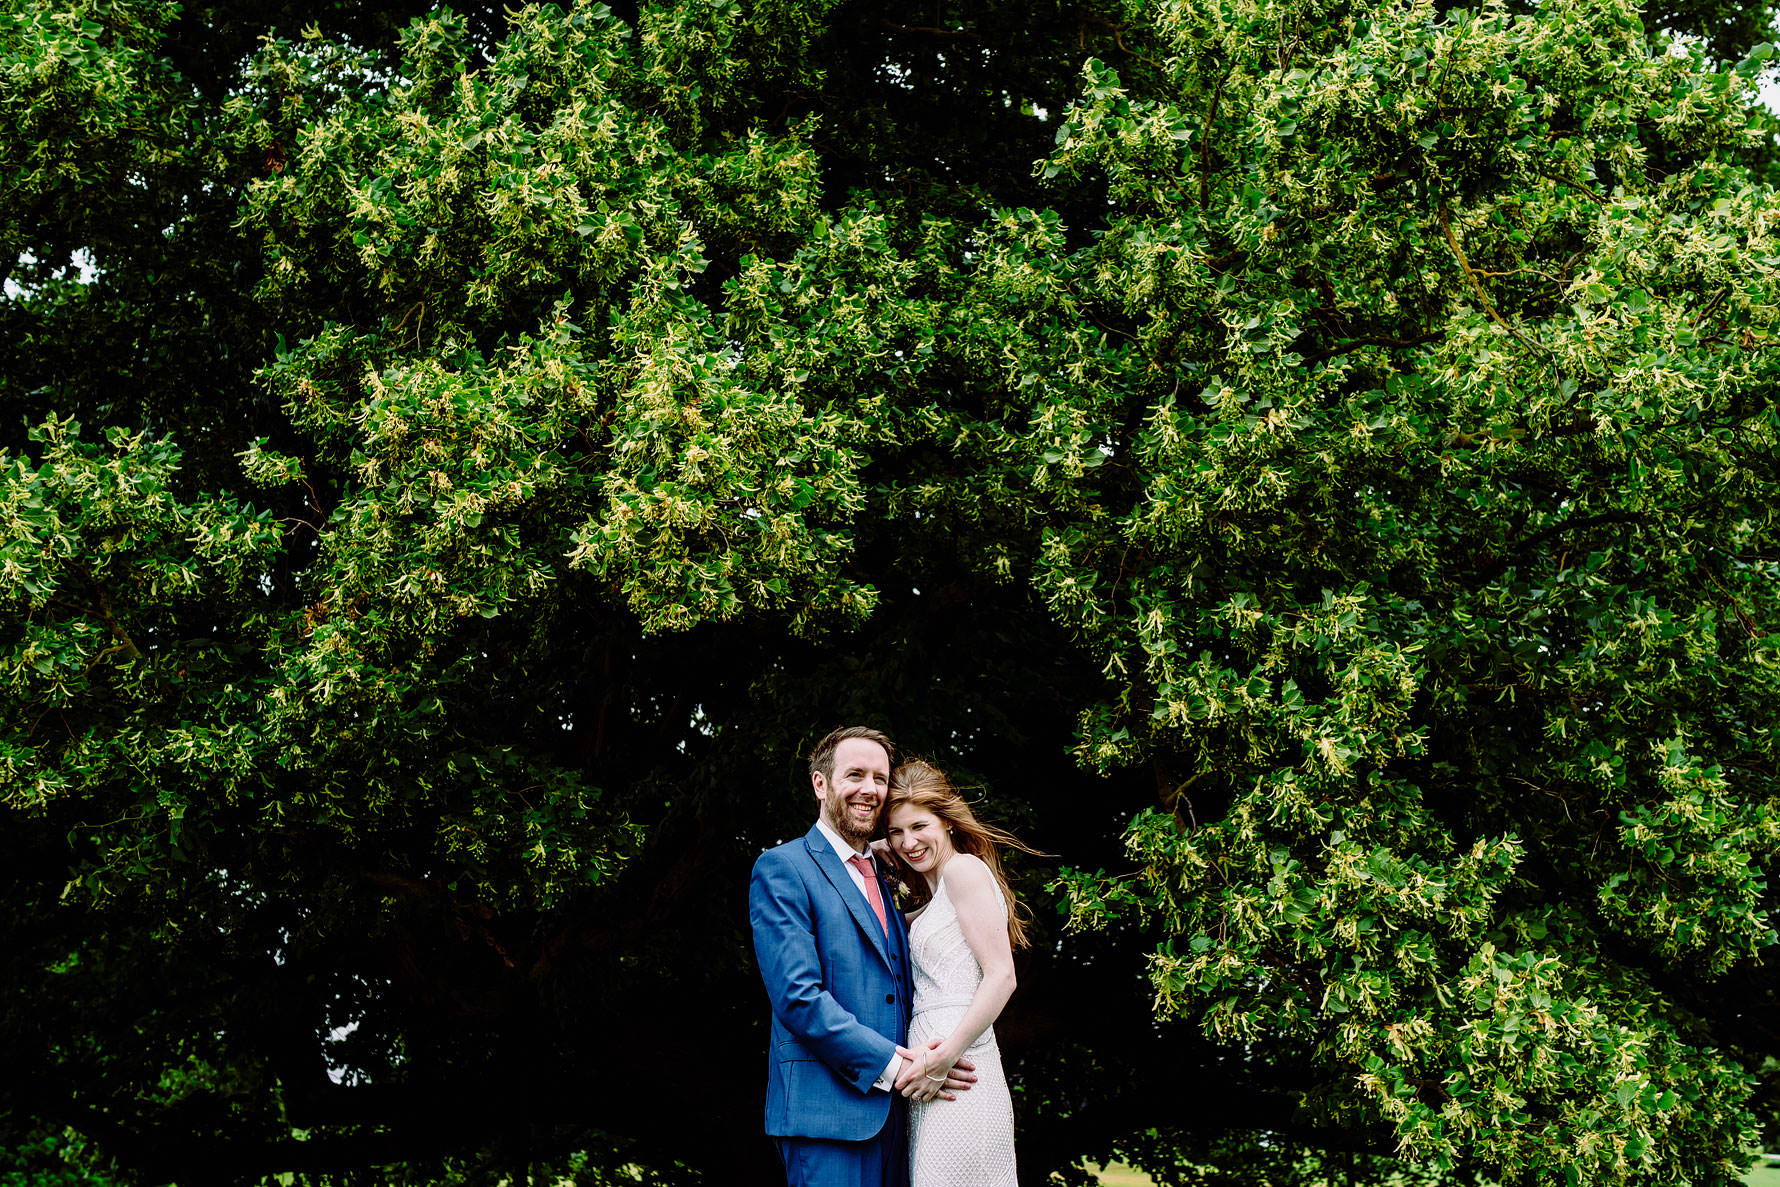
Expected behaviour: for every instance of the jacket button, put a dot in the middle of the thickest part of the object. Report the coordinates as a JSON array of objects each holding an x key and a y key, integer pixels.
[{"x": 889, "y": 997}]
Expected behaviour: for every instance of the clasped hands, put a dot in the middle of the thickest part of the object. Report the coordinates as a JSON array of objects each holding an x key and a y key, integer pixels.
[{"x": 928, "y": 1073}]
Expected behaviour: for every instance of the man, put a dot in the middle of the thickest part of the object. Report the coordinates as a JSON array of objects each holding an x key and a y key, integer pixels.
[{"x": 833, "y": 952}]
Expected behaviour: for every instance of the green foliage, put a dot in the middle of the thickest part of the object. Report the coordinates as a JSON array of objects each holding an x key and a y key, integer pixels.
[
  {"x": 515, "y": 435},
  {"x": 51, "y": 1159},
  {"x": 1445, "y": 578}
]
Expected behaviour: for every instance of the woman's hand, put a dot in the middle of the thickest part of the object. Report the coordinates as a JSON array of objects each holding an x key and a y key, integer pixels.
[{"x": 932, "y": 1072}]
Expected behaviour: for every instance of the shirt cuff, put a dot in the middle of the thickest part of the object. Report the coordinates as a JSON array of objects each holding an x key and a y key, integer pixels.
[{"x": 887, "y": 1081}]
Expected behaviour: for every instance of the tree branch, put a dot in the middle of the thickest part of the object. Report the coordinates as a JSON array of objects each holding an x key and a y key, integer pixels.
[
  {"x": 1489, "y": 306},
  {"x": 1496, "y": 566},
  {"x": 1352, "y": 344},
  {"x": 937, "y": 31},
  {"x": 104, "y": 613},
  {"x": 1211, "y": 118}
]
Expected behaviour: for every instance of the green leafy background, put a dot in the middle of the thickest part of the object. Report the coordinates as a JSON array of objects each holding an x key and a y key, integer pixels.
[{"x": 1308, "y": 467}]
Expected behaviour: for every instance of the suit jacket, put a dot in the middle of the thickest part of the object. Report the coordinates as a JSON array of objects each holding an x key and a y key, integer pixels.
[{"x": 839, "y": 990}]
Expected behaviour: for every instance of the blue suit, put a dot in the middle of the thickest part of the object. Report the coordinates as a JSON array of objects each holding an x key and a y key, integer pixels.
[{"x": 840, "y": 991}]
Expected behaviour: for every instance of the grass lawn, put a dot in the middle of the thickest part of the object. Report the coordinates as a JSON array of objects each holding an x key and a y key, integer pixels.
[
  {"x": 1765, "y": 1174},
  {"x": 1116, "y": 1174}
]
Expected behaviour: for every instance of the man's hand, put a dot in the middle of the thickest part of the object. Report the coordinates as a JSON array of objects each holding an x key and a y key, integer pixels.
[
  {"x": 959, "y": 1079},
  {"x": 924, "y": 1078}
]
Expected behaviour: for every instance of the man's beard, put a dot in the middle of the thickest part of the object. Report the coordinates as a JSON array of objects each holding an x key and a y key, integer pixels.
[{"x": 836, "y": 811}]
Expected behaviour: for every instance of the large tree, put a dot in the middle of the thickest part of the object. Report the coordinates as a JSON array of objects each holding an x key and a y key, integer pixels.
[{"x": 454, "y": 464}]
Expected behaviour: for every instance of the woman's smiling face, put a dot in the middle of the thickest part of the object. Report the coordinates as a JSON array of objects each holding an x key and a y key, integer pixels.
[{"x": 919, "y": 838}]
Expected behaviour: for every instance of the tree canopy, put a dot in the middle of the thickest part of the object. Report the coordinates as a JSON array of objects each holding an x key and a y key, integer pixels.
[{"x": 1310, "y": 466}]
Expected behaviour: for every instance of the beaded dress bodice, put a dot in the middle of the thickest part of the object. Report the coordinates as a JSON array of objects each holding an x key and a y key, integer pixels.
[{"x": 946, "y": 971}]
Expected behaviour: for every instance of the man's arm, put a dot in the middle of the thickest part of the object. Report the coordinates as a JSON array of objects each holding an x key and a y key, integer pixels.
[{"x": 780, "y": 914}]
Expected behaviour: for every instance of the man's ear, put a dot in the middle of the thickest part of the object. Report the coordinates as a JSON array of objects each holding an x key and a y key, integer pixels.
[{"x": 819, "y": 785}]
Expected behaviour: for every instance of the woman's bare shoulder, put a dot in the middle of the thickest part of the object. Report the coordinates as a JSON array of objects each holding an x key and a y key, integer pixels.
[{"x": 967, "y": 870}]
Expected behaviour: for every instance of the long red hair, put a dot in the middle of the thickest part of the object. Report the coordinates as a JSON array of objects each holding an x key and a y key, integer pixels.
[{"x": 923, "y": 785}]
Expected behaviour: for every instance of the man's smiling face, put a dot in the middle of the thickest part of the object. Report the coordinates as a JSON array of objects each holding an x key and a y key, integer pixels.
[{"x": 853, "y": 796}]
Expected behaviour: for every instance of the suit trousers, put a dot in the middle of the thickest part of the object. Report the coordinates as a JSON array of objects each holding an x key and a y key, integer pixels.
[{"x": 881, "y": 1161}]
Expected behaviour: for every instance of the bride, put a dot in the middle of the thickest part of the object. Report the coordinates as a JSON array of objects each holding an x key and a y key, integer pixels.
[{"x": 961, "y": 937}]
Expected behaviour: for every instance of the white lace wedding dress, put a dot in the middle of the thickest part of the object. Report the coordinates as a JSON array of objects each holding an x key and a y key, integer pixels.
[{"x": 967, "y": 1142}]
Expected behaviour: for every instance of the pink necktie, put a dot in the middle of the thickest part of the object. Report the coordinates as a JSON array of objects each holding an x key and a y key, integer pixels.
[{"x": 871, "y": 890}]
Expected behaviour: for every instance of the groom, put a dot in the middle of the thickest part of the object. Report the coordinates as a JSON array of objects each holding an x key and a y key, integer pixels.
[{"x": 833, "y": 953}]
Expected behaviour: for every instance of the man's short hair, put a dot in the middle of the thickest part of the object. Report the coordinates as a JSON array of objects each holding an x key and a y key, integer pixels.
[{"x": 822, "y": 757}]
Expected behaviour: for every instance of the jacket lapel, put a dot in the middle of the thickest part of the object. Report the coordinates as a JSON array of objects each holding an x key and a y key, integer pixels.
[{"x": 835, "y": 870}]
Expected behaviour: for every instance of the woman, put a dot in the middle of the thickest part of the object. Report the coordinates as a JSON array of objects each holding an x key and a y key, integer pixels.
[{"x": 962, "y": 937}]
